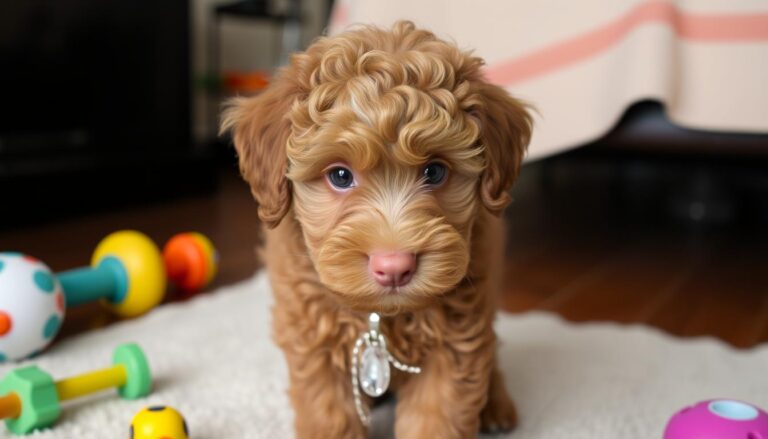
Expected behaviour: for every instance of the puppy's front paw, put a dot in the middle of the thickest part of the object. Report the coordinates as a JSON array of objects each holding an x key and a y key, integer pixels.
[{"x": 499, "y": 414}]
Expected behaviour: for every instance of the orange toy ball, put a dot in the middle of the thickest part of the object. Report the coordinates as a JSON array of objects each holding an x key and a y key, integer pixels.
[{"x": 190, "y": 261}]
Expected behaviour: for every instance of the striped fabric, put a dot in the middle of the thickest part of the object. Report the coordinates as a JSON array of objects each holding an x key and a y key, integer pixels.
[{"x": 581, "y": 64}]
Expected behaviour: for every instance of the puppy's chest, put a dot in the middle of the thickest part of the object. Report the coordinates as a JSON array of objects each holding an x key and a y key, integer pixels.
[{"x": 410, "y": 338}]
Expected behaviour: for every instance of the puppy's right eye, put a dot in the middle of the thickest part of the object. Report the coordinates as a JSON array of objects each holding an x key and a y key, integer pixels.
[{"x": 341, "y": 178}]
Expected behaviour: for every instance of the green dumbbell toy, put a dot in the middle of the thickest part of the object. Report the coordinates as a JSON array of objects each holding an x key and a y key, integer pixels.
[{"x": 31, "y": 398}]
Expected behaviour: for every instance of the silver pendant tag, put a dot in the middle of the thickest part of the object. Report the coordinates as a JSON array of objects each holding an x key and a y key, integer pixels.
[
  {"x": 371, "y": 371},
  {"x": 374, "y": 371}
]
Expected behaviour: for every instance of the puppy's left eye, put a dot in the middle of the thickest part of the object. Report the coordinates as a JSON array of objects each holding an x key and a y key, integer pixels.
[
  {"x": 434, "y": 173},
  {"x": 340, "y": 177}
]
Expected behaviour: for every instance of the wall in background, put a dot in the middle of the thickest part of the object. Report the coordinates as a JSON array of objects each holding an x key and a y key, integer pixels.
[{"x": 245, "y": 45}]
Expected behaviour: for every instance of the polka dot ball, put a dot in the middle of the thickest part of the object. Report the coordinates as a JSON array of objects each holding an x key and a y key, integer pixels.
[{"x": 32, "y": 306}]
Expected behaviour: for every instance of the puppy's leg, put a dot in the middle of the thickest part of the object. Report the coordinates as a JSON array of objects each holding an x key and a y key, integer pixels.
[
  {"x": 499, "y": 414},
  {"x": 445, "y": 400},
  {"x": 322, "y": 399}
]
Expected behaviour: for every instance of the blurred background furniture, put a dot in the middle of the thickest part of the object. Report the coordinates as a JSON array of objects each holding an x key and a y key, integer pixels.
[
  {"x": 96, "y": 107},
  {"x": 285, "y": 24}
]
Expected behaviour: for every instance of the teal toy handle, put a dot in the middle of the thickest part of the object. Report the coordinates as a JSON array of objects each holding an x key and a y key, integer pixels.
[{"x": 107, "y": 281}]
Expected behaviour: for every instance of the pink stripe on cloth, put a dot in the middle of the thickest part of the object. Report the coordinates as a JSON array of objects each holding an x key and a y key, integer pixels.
[
  {"x": 339, "y": 16},
  {"x": 694, "y": 27}
]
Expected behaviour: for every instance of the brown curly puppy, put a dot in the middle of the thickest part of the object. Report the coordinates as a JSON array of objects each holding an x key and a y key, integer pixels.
[{"x": 381, "y": 160}]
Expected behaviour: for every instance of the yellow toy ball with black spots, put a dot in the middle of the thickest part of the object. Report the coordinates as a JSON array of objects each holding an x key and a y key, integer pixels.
[{"x": 158, "y": 422}]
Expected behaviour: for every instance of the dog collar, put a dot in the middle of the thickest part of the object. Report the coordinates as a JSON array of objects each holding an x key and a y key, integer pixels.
[{"x": 370, "y": 371}]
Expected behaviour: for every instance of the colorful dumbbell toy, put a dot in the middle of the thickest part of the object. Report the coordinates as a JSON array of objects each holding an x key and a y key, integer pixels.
[
  {"x": 190, "y": 261},
  {"x": 129, "y": 273},
  {"x": 126, "y": 273},
  {"x": 158, "y": 422},
  {"x": 30, "y": 399}
]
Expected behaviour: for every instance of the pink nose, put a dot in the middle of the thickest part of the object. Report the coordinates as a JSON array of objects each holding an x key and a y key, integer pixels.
[{"x": 392, "y": 269}]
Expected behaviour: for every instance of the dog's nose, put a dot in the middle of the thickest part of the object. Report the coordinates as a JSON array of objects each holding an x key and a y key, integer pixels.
[{"x": 392, "y": 269}]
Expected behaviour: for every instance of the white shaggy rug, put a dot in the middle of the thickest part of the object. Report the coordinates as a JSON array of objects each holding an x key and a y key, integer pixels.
[{"x": 214, "y": 361}]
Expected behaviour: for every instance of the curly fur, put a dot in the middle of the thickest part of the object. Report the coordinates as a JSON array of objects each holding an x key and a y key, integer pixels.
[{"x": 385, "y": 103}]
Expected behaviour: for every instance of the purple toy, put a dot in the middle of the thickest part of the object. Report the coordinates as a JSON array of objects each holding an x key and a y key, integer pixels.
[{"x": 718, "y": 419}]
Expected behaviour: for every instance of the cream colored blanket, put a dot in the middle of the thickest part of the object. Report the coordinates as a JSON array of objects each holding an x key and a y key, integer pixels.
[{"x": 582, "y": 63}]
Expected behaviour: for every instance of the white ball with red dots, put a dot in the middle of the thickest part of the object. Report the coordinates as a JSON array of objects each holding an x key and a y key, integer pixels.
[{"x": 32, "y": 306}]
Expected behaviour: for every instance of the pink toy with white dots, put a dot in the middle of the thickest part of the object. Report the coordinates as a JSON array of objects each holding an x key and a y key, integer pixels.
[{"x": 32, "y": 306}]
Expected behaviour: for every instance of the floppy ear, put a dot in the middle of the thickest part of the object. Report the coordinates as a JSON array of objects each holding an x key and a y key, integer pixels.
[
  {"x": 260, "y": 129},
  {"x": 505, "y": 126}
]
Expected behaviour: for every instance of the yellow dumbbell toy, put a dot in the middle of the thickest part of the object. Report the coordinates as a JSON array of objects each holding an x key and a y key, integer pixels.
[{"x": 30, "y": 399}]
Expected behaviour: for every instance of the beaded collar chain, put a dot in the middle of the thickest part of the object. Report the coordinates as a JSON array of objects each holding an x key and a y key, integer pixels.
[{"x": 371, "y": 370}]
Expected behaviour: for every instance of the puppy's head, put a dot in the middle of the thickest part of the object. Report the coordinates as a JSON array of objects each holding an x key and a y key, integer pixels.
[{"x": 385, "y": 145}]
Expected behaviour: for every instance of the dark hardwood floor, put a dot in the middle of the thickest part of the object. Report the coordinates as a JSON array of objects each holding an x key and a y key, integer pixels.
[
  {"x": 667, "y": 245},
  {"x": 585, "y": 241}
]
